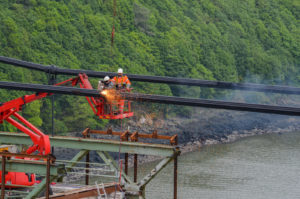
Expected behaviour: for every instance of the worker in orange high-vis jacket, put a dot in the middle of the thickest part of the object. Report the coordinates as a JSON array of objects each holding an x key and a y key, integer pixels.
[{"x": 121, "y": 81}]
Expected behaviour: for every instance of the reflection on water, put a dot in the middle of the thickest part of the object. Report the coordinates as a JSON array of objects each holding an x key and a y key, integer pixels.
[{"x": 266, "y": 166}]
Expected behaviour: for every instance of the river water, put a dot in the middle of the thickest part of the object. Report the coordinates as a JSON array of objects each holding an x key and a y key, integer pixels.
[{"x": 260, "y": 167}]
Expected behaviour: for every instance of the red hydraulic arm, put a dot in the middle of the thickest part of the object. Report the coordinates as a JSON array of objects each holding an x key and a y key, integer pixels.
[
  {"x": 40, "y": 141},
  {"x": 100, "y": 106}
]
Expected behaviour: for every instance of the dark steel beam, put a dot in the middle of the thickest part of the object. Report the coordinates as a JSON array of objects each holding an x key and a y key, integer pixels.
[
  {"x": 49, "y": 89},
  {"x": 283, "y": 110},
  {"x": 158, "y": 79}
]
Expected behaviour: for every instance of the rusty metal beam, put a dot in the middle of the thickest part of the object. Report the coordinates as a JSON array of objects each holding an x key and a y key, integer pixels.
[
  {"x": 3, "y": 177},
  {"x": 123, "y": 135},
  {"x": 85, "y": 192}
]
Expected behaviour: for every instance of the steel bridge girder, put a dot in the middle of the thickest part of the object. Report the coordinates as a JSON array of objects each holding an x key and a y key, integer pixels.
[{"x": 94, "y": 144}]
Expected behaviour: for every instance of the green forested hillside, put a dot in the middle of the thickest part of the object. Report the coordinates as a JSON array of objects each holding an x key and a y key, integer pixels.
[{"x": 207, "y": 39}]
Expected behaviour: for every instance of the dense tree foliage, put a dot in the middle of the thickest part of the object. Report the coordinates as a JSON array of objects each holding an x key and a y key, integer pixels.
[{"x": 206, "y": 39}]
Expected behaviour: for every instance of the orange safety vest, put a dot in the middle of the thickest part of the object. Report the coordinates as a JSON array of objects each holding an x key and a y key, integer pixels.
[{"x": 121, "y": 80}]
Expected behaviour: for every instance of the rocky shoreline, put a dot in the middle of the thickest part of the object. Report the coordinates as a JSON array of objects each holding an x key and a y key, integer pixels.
[
  {"x": 192, "y": 146},
  {"x": 216, "y": 127},
  {"x": 204, "y": 128}
]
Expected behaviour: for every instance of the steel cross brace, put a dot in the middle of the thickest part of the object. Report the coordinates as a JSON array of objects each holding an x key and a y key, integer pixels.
[
  {"x": 73, "y": 162},
  {"x": 142, "y": 184},
  {"x": 113, "y": 165},
  {"x": 162, "y": 164},
  {"x": 39, "y": 188},
  {"x": 37, "y": 167},
  {"x": 137, "y": 187}
]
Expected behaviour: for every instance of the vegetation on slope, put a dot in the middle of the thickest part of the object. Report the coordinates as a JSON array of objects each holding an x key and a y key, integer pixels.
[{"x": 205, "y": 39}]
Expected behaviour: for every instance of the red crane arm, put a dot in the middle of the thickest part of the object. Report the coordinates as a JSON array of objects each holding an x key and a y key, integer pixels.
[
  {"x": 41, "y": 141},
  {"x": 83, "y": 81}
]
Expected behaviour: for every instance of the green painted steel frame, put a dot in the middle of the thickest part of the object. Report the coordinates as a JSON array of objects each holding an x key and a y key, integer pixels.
[
  {"x": 33, "y": 167},
  {"x": 42, "y": 185},
  {"x": 94, "y": 144},
  {"x": 39, "y": 188},
  {"x": 37, "y": 167},
  {"x": 137, "y": 187},
  {"x": 72, "y": 163},
  {"x": 102, "y": 147}
]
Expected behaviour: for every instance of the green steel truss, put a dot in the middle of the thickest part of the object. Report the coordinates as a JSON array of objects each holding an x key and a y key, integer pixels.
[
  {"x": 102, "y": 147},
  {"x": 94, "y": 144}
]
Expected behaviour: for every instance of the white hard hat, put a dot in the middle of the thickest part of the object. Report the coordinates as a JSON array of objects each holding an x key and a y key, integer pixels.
[
  {"x": 106, "y": 78},
  {"x": 120, "y": 70}
]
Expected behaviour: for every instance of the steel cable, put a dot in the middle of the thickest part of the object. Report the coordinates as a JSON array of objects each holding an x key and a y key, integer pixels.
[
  {"x": 158, "y": 79},
  {"x": 157, "y": 99}
]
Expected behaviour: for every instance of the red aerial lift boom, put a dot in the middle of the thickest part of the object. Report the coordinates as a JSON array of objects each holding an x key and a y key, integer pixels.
[
  {"x": 109, "y": 107},
  {"x": 104, "y": 107}
]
